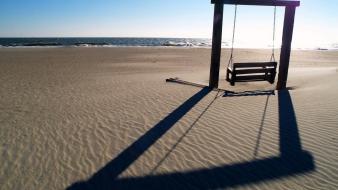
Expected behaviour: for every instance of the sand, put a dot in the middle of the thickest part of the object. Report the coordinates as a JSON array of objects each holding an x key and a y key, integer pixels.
[{"x": 104, "y": 118}]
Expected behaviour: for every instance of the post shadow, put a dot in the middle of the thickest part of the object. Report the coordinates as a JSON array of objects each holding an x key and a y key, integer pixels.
[
  {"x": 290, "y": 142},
  {"x": 184, "y": 135},
  {"x": 291, "y": 161},
  {"x": 104, "y": 178}
]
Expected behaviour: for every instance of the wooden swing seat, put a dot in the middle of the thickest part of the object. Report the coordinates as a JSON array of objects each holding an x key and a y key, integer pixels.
[{"x": 251, "y": 72}]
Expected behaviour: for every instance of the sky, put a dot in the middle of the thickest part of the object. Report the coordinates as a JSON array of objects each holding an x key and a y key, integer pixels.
[{"x": 316, "y": 21}]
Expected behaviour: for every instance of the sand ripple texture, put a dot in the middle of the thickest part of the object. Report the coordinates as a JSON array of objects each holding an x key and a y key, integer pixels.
[{"x": 68, "y": 116}]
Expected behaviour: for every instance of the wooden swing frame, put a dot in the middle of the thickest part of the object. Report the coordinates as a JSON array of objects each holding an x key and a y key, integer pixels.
[{"x": 289, "y": 16}]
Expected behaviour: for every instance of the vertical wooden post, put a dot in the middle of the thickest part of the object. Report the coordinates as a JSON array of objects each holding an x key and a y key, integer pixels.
[
  {"x": 216, "y": 44},
  {"x": 284, "y": 61}
]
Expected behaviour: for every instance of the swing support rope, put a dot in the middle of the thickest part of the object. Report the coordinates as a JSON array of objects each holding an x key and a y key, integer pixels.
[
  {"x": 233, "y": 39},
  {"x": 272, "y": 59},
  {"x": 273, "y": 35}
]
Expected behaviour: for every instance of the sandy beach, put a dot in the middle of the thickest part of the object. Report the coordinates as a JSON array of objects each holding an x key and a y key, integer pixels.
[{"x": 105, "y": 118}]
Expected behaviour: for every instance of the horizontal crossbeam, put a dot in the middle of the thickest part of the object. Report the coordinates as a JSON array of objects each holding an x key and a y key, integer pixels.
[{"x": 285, "y": 3}]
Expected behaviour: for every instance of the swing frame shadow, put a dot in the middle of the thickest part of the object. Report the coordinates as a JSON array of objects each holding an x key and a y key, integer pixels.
[{"x": 292, "y": 160}]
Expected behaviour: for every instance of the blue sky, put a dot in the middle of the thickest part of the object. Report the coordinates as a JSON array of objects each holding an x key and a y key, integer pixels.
[{"x": 316, "y": 20}]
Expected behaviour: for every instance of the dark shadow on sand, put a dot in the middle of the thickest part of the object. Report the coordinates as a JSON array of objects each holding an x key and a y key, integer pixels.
[
  {"x": 105, "y": 177},
  {"x": 261, "y": 127},
  {"x": 249, "y": 93},
  {"x": 291, "y": 161}
]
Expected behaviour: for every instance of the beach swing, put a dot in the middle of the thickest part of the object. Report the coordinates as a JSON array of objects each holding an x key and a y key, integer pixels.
[{"x": 251, "y": 71}]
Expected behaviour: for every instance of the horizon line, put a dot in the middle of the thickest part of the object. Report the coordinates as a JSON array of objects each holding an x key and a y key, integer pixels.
[{"x": 100, "y": 37}]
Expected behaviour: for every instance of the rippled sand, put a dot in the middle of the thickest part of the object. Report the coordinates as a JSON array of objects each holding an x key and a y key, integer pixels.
[{"x": 104, "y": 118}]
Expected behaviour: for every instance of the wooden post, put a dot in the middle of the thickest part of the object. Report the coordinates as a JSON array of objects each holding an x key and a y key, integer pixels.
[
  {"x": 216, "y": 44},
  {"x": 284, "y": 61}
]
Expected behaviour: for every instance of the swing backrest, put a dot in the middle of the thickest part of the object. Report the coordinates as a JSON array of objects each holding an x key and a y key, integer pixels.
[
  {"x": 255, "y": 71},
  {"x": 255, "y": 65}
]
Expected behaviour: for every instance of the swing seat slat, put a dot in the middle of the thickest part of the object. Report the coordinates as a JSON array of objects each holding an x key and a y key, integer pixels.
[
  {"x": 250, "y": 72},
  {"x": 256, "y": 64},
  {"x": 251, "y": 78}
]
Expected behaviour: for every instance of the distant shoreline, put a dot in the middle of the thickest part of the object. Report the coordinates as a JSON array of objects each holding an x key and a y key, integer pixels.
[
  {"x": 156, "y": 47},
  {"x": 135, "y": 42}
]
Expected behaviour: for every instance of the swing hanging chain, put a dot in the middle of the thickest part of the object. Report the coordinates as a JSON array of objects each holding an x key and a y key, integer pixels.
[
  {"x": 233, "y": 39},
  {"x": 273, "y": 36}
]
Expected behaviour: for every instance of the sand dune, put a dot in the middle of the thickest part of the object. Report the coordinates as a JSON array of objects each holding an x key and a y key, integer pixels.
[{"x": 104, "y": 118}]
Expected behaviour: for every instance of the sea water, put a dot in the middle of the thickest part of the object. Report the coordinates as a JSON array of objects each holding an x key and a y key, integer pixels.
[
  {"x": 137, "y": 42},
  {"x": 105, "y": 42}
]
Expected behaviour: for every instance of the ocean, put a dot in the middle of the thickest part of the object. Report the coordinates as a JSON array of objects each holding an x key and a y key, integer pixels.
[
  {"x": 135, "y": 42},
  {"x": 104, "y": 42}
]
